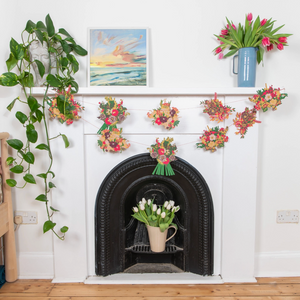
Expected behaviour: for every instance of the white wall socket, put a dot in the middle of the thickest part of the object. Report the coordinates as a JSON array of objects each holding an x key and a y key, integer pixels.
[
  {"x": 29, "y": 217},
  {"x": 288, "y": 216}
]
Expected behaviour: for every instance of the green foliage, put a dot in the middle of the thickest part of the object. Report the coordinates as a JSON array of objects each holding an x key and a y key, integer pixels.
[{"x": 62, "y": 46}]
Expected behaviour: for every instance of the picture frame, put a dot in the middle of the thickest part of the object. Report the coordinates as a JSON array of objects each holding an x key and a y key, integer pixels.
[{"x": 118, "y": 57}]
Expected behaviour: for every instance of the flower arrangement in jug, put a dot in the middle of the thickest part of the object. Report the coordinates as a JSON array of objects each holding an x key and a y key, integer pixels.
[
  {"x": 155, "y": 215},
  {"x": 259, "y": 34}
]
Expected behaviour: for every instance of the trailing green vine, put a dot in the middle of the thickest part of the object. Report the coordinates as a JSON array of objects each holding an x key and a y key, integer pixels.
[{"x": 60, "y": 65}]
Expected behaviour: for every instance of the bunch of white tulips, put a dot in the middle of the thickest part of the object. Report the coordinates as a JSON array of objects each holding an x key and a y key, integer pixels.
[{"x": 153, "y": 215}]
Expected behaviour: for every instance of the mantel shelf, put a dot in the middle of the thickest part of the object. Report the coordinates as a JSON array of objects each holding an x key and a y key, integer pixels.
[{"x": 90, "y": 91}]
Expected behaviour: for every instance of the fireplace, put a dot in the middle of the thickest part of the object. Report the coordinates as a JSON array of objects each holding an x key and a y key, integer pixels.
[{"x": 121, "y": 241}]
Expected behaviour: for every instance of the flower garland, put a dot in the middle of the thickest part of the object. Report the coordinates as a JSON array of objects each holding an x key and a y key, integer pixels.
[
  {"x": 112, "y": 140},
  {"x": 244, "y": 120},
  {"x": 164, "y": 153},
  {"x": 165, "y": 115},
  {"x": 64, "y": 108},
  {"x": 111, "y": 113},
  {"x": 216, "y": 110},
  {"x": 213, "y": 138},
  {"x": 267, "y": 98}
]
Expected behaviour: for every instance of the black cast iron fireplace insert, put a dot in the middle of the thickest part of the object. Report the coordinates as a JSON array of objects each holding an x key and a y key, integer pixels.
[{"x": 121, "y": 241}]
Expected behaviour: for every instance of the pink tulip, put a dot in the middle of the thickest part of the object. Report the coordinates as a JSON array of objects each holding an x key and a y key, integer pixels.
[
  {"x": 263, "y": 22},
  {"x": 218, "y": 50},
  {"x": 269, "y": 48},
  {"x": 265, "y": 41},
  {"x": 282, "y": 39},
  {"x": 280, "y": 47},
  {"x": 233, "y": 26},
  {"x": 249, "y": 17},
  {"x": 224, "y": 32},
  {"x": 221, "y": 55}
]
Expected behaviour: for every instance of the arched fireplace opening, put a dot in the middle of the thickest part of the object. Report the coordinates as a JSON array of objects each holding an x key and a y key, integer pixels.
[{"x": 122, "y": 242}]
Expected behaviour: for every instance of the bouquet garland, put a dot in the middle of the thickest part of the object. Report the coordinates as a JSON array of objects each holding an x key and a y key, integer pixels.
[
  {"x": 165, "y": 115},
  {"x": 112, "y": 140},
  {"x": 213, "y": 138},
  {"x": 164, "y": 153},
  {"x": 267, "y": 98},
  {"x": 216, "y": 110},
  {"x": 64, "y": 108},
  {"x": 111, "y": 113},
  {"x": 245, "y": 120}
]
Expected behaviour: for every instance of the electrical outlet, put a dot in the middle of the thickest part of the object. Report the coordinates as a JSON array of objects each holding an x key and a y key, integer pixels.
[
  {"x": 288, "y": 216},
  {"x": 28, "y": 217}
]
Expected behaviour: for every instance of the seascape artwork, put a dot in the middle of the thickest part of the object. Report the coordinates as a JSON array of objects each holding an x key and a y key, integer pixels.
[{"x": 118, "y": 57}]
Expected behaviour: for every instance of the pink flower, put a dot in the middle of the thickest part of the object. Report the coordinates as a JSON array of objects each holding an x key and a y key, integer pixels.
[
  {"x": 161, "y": 151},
  {"x": 115, "y": 112},
  {"x": 282, "y": 39},
  {"x": 218, "y": 50},
  {"x": 280, "y": 47},
  {"x": 269, "y": 48},
  {"x": 221, "y": 55},
  {"x": 249, "y": 17},
  {"x": 233, "y": 26},
  {"x": 263, "y": 22},
  {"x": 117, "y": 148},
  {"x": 265, "y": 41},
  {"x": 224, "y": 32}
]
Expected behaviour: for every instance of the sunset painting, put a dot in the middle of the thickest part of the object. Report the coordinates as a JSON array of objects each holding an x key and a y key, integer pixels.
[{"x": 118, "y": 57}]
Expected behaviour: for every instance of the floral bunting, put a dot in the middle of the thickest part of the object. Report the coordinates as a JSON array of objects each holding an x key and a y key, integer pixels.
[
  {"x": 164, "y": 153},
  {"x": 216, "y": 110},
  {"x": 165, "y": 115},
  {"x": 213, "y": 138},
  {"x": 267, "y": 98},
  {"x": 112, "y": 140},
  {"x": 64, "y": 107},
  {"x": 245, "y": 120}
]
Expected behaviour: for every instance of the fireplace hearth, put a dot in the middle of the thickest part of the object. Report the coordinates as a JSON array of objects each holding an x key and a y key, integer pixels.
[{"x": 121, "y": 242}]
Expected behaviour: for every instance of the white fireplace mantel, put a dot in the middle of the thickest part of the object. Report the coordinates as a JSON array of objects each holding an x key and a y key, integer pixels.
[{"x": 231, "y": 174}]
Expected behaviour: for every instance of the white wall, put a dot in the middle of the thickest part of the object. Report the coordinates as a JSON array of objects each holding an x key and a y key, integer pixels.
[{"x": 181, "y": 41}]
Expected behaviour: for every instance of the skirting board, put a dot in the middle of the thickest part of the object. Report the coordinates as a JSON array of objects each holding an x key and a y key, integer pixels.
[
  {"x": 35, "y": 265},
  {"x": 277, "y": 264}
]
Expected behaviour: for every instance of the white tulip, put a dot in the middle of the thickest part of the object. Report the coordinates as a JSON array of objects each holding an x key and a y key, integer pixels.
[
  {"x": 135, "y": 209},
  {"x": 144, "y": 201},
  {"x": 168, "y": 207},
  {"x": 177, "y": 208},
  {"x": 172, "y": 203},
  {"x": 142, "y": 206},
  {"x": 154, "y": 207},
  {"x": 163, "y": 214},
  {"x": 166, "y": 203},
  {"x": 158, "y": 211},
  {"x": 149, "y": 201}
]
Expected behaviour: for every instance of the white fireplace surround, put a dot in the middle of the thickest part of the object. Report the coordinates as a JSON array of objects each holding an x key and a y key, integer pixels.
[{"x": 231, "y": 174}]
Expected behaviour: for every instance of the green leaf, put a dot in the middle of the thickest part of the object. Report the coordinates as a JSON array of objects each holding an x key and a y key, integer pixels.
[
  {"x": 163, "y": 226},
  {"x": 30, "y": 26},
  {"x": 39, "y": 115},
  {"x": 42, "y": 147},
  {"x": 21, "y": 117},
  {"x": 48, "y": 225},
  {"x": 41, "y": 67},
  {"x": 74, "y": 62},
  {"x": 17, "y": 169},
  {"x": 231, "y": 52},
  {"x": 79, "y": 50},
  {"x": 66, "y": 47},
  {"x": 64, "y": 32},
  {"x": 27, "y": 80},
  {"x": 12, "y": 104},
  {"x": 74, "y": 85},
  {"x": 51, "y": 185},
  {"x": 39, "y": 35},
  {"x": 42, "y": 175},
  {"x": 29, "y": 178},
  {"x": 53, "y": 209},
  {"x": 9, "y": 160},
  {"x": 15, "y": 143},
  {"x": 11, "y": 182},
  {"x": 53, "y": 81},
  {"x": 29, "y": 157},
  {"x": 31, "y": 133},
  {"x": 8, "y": 79},
  {"x": 66, "y": 141},
  {"x": 50, "y": 27},
  {"x": 41, "y": 26},
  {"x": 11, "y": 62},
  {"x": 42, "y": 198},
  {"x": 16, "y": 49},
  {"x": 33, "y": 103},
  {"x": 64, "y": 229}
]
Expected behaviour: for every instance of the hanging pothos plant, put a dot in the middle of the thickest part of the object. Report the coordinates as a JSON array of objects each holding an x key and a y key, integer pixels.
[{"x": 59, "y": 48}]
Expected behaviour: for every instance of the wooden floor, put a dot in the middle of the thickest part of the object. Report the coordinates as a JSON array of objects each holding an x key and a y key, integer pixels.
[{"x": 265, "y": 288}]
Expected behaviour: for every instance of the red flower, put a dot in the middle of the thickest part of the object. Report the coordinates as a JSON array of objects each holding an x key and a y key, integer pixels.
[
  {"x": 107, "y": 121},
  {"x": 115, "y": 112},
  {"x": 282, "y": 39},
  {"x": 280, "y": 47},
  {"x": 224, "y": 32},
  {"x": 157, "y": 121},
  {"x": 265, "y": 41},
  {"x": 117, "y": 148},
  {"x": 249, "y": 17},
  {"x": 69, "y": 121},
  {"x": 263, "y": 22},
  {"x": 218, "y": 50},
  {"x": 166, "y": 161},
  {"x": 161, "y": 151}
]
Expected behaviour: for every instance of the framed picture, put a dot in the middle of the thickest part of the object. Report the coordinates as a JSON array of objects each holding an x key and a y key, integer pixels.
[{"x": 118, "y": 57}]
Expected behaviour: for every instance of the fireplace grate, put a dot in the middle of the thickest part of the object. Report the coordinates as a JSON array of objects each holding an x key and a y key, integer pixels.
[{"x": 146, "y": 249}]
